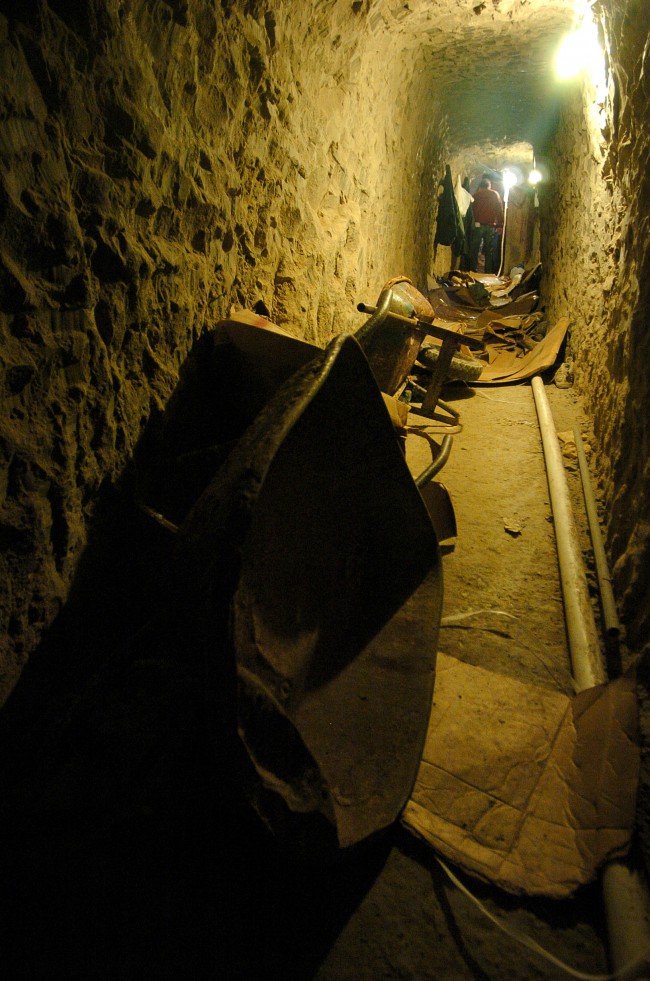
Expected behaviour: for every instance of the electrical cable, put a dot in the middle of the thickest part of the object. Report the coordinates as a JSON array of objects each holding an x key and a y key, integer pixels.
[
  {"x": 454, "y": 618},
  {"x": 531, "y": 944}
]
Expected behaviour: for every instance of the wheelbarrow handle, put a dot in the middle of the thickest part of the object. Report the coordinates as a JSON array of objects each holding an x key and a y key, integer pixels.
[
  {"x": 442, "y": 333},
  {"x": 379, "y": 314}
]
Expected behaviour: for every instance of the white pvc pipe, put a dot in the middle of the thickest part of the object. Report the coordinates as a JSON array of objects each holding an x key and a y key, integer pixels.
[
  {"x": 627, "y": 913},
  {"x": 584, "y": 644},
  {"x": 624, "y": 889}
]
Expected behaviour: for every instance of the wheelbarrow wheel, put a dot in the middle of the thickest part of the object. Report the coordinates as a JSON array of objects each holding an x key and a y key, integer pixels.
[{"x": 463, "y": 367}]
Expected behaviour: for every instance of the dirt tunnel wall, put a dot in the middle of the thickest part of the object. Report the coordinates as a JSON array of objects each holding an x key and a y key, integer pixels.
[
  {"x": 162, "y": 162},
  {"x": 596, "y": 255}
]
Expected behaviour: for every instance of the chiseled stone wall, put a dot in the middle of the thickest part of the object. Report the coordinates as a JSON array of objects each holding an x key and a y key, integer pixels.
[
  {"x": 596, "y": 233},
  {"x": 161, "y": 162}
]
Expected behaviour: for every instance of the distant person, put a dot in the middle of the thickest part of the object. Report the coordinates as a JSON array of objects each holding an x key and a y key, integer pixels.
[{"x": 488, "y": 216}]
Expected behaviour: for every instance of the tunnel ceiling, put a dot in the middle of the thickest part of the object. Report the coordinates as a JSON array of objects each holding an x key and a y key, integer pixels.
[{"x": 490, "y": 63}]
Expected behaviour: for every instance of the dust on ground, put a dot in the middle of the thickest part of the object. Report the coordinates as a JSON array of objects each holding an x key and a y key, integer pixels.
[
  {"x": 137, "y": 857},
  {"x": 413, "y": 922}
]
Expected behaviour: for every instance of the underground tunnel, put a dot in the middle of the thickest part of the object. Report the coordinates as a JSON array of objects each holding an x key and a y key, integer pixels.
[{"x": 165, "y": 164}]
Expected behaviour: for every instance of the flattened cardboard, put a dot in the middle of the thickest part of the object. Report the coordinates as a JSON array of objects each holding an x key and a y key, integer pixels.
[
  {"x": 508, "y": 367},
  {"x": 525, "y": 787}
]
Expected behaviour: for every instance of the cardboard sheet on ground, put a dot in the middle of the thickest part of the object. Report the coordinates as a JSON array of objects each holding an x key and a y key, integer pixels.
[
  {"x": 524, "y": 787},
  {"x": 509, "y": 367}
]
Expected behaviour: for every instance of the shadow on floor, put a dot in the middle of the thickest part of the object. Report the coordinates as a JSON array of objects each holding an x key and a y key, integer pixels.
[
  {"x": 128, "y": 852},
  {"x": 126, "y": 848}
]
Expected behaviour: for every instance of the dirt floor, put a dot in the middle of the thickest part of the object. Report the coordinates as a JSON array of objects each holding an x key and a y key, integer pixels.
[
  {"x": 127, "y": 852},
  {"x": 413, "y": 922}
]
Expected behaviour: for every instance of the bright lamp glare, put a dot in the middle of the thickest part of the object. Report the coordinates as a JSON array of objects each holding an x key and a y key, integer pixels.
[
  {"x": 568, "y": 62},
  {"x": 580, "y": 51},
  {"x": 509, "y": 180},
  {"x": 534, "y": 177}
]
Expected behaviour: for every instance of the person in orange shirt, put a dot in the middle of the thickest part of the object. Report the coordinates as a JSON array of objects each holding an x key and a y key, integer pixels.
[{"x": 488, "y": 216}]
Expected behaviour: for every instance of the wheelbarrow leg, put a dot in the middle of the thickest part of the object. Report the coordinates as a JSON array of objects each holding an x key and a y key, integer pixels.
[{"x": 440, "y": 372}]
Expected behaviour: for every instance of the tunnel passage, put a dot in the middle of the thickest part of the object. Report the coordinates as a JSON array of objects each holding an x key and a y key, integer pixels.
[{"x": 164, "y": 162}]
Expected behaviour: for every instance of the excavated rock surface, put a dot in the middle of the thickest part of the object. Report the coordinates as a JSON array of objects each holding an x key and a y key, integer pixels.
[
  {"x": 162, "y": 162},
  {"x": 597, "y": 270}
]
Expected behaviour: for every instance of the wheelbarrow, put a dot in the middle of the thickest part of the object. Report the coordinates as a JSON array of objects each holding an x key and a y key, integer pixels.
[
  {"x": 392, "y": 341},
  {"x": 312, "y": 572},
  {"x": 393, "y": 336}
]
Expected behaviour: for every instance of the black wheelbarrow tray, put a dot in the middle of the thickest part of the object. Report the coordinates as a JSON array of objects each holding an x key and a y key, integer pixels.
[{"x": 315, "y": 567}]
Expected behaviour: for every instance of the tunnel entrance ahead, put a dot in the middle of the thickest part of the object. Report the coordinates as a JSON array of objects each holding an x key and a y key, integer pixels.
[{"x": 516, "y": 243}]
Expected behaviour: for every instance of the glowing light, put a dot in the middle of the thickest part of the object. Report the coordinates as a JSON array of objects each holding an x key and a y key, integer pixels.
[
  {"x": 509, "y": 180},
  {"x": 535, "y": 177},
  {"x": 579, "y": 52},
  {"x": 568, "y": 61}
]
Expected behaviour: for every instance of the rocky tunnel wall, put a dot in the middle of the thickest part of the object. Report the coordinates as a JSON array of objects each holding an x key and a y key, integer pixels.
[
  {"x": 161, "y": 163},
  {"x": 596, "y": 255}
]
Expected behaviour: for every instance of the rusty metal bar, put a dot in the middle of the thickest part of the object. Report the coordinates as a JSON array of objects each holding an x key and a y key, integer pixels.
[
  {"x": 611, "y": 624},
  {"x": 441, "y": 370},
  {"x": 379, "y": 314},
  {"x": 442, "y": 333}
]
